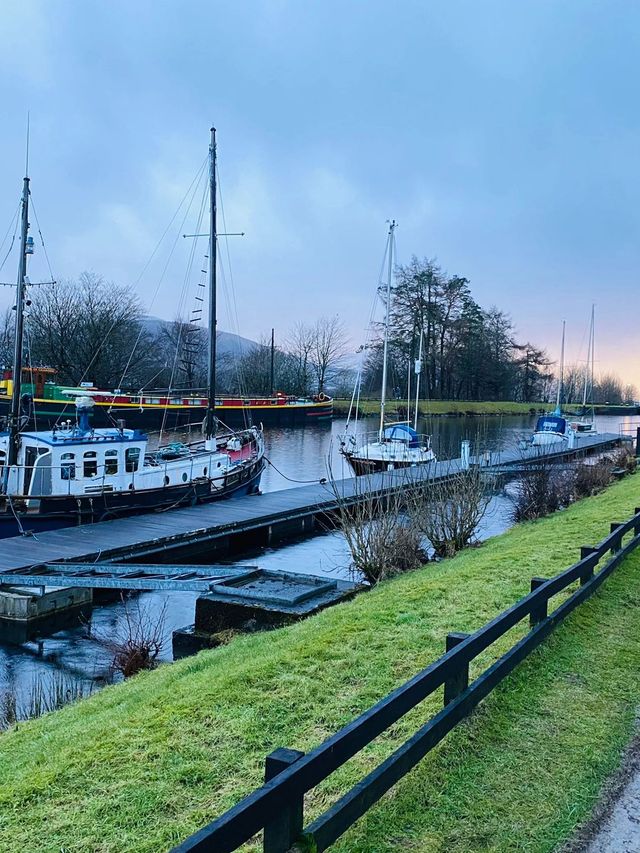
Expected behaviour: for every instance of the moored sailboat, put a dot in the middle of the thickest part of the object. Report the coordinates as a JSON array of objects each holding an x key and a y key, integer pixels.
[
  {"x": 394, "y": 445},
  {"x": 75, "y": 473}
]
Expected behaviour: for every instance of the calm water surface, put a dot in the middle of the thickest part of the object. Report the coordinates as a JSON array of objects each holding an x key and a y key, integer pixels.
[{"x": 296, "y": 455}]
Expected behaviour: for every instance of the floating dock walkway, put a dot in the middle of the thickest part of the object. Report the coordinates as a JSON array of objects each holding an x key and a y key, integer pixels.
[{"x": 253, "y": 521}]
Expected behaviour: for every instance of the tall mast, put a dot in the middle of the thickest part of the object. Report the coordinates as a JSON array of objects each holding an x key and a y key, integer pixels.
[
  {"x": 383, "y": 396},
  {"x": 14, "y": 417},
  {"x": 418, "y": 369},
  {"x": 593, "y": 346},
  {"x": 211, "y": 420},
  {"x": 587, "y": 366},
  {"x": 561, "y": 379}
]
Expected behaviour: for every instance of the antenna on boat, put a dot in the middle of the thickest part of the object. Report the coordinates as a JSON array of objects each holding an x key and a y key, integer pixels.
[{"x": 383, "y": 396}]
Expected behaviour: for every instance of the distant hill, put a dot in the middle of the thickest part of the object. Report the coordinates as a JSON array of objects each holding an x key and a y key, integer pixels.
[{"x": 228, "y": 343}]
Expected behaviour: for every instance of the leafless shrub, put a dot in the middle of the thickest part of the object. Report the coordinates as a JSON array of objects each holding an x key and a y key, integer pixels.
[
  {"x": 382, "y": 539},
  {"x": 139, "y": 640},
  {"x": 592, "y": 478},
  {"x": 447, "y": 512},
  {"x": 543, "y": 488},
  {"x": 624, "y": 458}
]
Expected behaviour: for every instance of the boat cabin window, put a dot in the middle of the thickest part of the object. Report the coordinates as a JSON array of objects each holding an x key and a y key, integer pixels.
[
  {"x": 111, "y": 462},
  {"x": 68, "y": 466},
  {"x": 131, "y": 458},
  {"x": 90, "y": 463}
]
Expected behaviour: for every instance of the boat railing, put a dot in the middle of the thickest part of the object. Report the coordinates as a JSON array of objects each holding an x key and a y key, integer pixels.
[{"x": 358, "y": 439}]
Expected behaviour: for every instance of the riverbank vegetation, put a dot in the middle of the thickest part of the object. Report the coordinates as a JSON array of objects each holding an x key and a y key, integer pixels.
[{"x": 141, "y": 765}]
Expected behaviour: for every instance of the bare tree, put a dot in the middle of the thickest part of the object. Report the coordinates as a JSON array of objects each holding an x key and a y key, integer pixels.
[
  {"x": 329, "y": 348},
  {"x": 7, "y": 336},
  {"x": 89, "y": 329},
  {"x": 300, "y": 345}
]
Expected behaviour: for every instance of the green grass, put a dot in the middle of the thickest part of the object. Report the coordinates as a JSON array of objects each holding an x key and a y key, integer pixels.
[
  {"x": 139, "y": 766},
  {"x": 444, "y": 407},
  {"x": 459, "y": 407}
]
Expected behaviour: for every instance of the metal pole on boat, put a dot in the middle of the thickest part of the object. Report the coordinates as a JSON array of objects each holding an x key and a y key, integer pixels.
[
  {"x": 273, "y": 351},
  {"x": 383, "y": 396},
  {"x": 418, "y": 369},
  {"x": 14, "y": 416},
  {"x": 561, "y": 378},
  {"x": 210, "y": 421}
]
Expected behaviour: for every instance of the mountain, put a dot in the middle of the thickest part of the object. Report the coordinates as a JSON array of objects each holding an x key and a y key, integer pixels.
[{"x": 228, "y": 343}]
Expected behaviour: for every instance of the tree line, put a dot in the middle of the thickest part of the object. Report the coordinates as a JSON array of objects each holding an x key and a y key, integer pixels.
[{"x": 94, "y": 330}]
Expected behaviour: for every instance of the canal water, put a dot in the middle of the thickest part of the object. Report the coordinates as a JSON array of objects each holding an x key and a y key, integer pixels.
[{"x": 296, "y": 456}]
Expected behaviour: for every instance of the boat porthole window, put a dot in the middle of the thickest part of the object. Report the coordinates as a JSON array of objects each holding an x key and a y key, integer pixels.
[
  {"x": 219, "y": 463},
  {"x": 166, "y": 481},
  {"x": 204, "y": 470},
  {"x": 185, "y": 477}
]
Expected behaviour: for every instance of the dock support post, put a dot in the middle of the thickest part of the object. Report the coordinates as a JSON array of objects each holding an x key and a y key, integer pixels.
[
  {"x": 539, "y": 612},
  {"x": 286, "y": 827},
  {"x": 465, "y": 454},
  {"x": 459, "y": 680}
]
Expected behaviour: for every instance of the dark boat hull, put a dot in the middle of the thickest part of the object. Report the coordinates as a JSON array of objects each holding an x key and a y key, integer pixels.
[
  {"x": 361, "y": 466},
  {"x": 56, "y": 513},
  {"x": 49, "y": 412}
]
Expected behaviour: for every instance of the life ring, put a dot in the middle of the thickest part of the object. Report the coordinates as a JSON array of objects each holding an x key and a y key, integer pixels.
[{"x": 322, "y": 397}]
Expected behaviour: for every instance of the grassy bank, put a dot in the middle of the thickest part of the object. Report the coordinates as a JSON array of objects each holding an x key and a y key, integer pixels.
[
  {"x": 465, "y": 407},
  {"x": 139, "y": 766}
]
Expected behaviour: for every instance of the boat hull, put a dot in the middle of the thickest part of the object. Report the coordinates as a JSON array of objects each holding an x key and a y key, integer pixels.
[
  {"x": 67, "y": 511},
  {"x": 46, "y": 413},
  {"x": 361, "y": 465}
]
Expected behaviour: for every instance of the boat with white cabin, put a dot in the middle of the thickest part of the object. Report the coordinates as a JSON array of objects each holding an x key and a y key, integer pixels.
[{"x": 74, "y": 473}]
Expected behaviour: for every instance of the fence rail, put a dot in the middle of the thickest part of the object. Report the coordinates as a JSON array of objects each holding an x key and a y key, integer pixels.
[{"x": 277, "y": 807}]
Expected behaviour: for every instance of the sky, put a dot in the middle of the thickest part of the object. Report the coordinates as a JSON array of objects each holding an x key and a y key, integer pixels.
[{"x": 503, "y": 137}]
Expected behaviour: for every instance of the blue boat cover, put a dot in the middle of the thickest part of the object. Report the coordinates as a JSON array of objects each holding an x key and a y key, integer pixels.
[
  {"x": 402, "y": 432},
  {"x": 551, "y": 423}
]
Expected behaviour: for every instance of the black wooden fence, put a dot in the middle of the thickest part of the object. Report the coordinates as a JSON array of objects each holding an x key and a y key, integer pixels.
[{"x": 278, "y": 806}]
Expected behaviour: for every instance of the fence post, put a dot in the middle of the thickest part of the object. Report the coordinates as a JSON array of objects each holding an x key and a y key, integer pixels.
[
  {"x": 638, "y": 441},
  {"x": 539, "y": 612},
  {"x": 286, "y": 827},
  {"x": 618, "y": 542},
  {"x": 585, "y": 551},
  {"x": 459, "y": 681},
  {"x": 636, "y": 526}
]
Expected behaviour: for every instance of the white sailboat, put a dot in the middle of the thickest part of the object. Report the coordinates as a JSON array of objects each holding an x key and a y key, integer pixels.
[
  {"x": 587, "y": 426},
  {"x": 552, "y": 428},
  {"x": 393, "y": 445}
]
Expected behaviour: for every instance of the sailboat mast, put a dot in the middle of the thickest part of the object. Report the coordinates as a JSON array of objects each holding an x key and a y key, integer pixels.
[
  {"x": 593, "y": 346},
  {"x": 210, "y": 422},
  {"x": 418, "y": 369},
  {"x": 587, "y": 366},
  {"x": 383, "y": 396},
  {"x": 561, "y": 380},
  {"x": 14, "y": 417}
]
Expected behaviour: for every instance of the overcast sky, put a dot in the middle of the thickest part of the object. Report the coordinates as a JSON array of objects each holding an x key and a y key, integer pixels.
[{"x": 503, "y": 136}]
